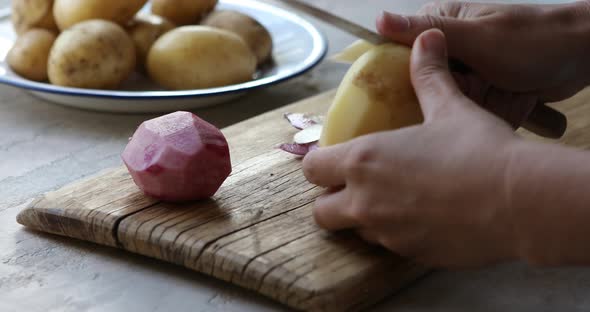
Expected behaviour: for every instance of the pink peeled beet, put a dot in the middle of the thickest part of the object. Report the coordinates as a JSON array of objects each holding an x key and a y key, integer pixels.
[{"x": 178, "y": 157}]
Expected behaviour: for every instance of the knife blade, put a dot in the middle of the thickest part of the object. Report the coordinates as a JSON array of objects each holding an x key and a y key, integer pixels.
[
  {"x": 544, "y": 120},
  {"x": 337, "y": 21}
]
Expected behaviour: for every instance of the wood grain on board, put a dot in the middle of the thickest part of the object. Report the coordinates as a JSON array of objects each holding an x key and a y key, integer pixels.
[{"x": 257, "y": 231}]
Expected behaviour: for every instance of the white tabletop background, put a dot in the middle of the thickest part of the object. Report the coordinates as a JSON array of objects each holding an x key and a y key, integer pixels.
[{"x": 44, "y": 146}]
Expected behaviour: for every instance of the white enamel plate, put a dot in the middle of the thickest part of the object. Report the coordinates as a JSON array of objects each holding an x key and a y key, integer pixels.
[{"x": 298, "y": 47}]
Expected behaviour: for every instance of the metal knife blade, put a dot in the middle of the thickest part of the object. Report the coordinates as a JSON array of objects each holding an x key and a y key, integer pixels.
[
  {"x": 336, "y": 21},
  {"x": 349, "y": 27}
]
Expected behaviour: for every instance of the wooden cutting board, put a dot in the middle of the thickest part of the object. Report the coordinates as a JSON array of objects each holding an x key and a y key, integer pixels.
[{"x": 257, "y": 231}]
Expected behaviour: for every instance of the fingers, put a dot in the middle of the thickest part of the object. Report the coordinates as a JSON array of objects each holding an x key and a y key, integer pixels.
[
  {"x": 332, "y": 211},
  {"x": 435, "y": 87},
  {"x": 396, "y": 27},
  {"x": 324, "y": 166},
  {"x": 406, "y": 29},
  {"x": 369, "y": 236},
  {"x": 449, "y": 8},
  {"x": 404, "y": 241}
]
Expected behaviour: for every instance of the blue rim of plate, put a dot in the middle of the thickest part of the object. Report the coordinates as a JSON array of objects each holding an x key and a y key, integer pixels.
[{"x": 318, "y": 53}]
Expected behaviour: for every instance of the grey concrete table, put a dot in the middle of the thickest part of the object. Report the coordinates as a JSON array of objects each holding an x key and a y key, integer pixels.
[{"x": 44, "y": 146}]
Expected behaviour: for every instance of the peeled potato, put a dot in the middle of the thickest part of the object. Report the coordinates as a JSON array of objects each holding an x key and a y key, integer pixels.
[
  {"x": 196, "y": 57},
  {"x": 70, "y": 12},
  {"x": 144, "y": 31},
  {"x": 28, "y": 57},
  {"x": 353, "y": 52},
  {"x": 32, "y": 14},
  {"x": 183, "y": 12},
  {"x": 94, "y": 54},
  {"x": 178, "y": 157},
  {"x": 254, "y": 34},
  {"x": 375, "y": 95}
]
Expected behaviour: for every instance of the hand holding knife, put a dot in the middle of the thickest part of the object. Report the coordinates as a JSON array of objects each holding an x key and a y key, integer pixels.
[{"x": 544, "y": 120}]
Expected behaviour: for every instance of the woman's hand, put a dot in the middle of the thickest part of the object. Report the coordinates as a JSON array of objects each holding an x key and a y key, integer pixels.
[
  {"x": 520, "y": 55},
  {"x": 432, "y": 192}
]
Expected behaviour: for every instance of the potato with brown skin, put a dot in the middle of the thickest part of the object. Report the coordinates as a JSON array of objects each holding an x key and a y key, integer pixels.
[
  {"x": 256, "y": 36},
  {"x": 183, "y": 12},
  {"x": 144, "y": 31},
  {"x": 28, "y": 57},
  {"x": 197, "y": 57},
  {"x": 70, "y": 12},
  {"x": 27, "y": 14},
  {"x": 94, "y": 54}
]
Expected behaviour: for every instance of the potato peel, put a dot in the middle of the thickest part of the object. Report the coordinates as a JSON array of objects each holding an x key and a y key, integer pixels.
[
  {"x": 309, "y": 135},
  {"x": 353, "y": 52},
  {"x": 307, "y": 139},
  {"x": 302, "y": 121},
  {"x": 299, "y": 149}
]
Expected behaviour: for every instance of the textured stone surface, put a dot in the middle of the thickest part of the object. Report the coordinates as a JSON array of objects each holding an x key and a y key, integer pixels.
[{"x": 44, "y": 146}]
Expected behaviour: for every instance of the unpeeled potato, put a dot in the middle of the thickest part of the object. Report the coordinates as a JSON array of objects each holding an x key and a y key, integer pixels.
[
  {"x": 27, "y": 14},
  {"x": 254, "y": 34},
  {"x": 375, "y": 95},
  {"x": 183, "y": 12},
  {"x": 70, "y": 12},
  {"x": 197, "y": 57},
  {"x": 30, "y": 53},
  {"x": 144, "y": 31},
  {"x": 94, "y": 54}
]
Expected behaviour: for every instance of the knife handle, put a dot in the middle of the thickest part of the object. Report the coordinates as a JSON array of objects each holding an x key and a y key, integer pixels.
[
  {"x": 543, "y": 120},
  {"x": 547, "y": 122}
]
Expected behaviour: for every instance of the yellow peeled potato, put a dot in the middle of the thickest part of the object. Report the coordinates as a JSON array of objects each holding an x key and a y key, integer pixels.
[
  {"x": 352, "y": 52},
  {"x": 197, "y": 57},
  {"x": 28, "y": 57},
  {"x": 183, "y": 12},
  {"x": 144, "y": 31},
  {"x": 27, "y": 14},
  {"x": 254, "y": 34},
  {"x": 94, "y": 54},
  {"x": 70, "y": 12},
  {"x": 375, "y": 95}
]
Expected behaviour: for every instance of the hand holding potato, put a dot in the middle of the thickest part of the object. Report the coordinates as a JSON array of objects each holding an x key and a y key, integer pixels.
[
  {"x": 535, "y": 39},
  {"x": 433, "y": 192}
]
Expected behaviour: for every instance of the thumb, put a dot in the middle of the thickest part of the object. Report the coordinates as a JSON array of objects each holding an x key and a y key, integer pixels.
[{"x": 435, "y": 87}]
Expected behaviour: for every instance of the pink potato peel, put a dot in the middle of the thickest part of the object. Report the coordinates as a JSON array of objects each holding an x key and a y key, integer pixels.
[
  {"x": 178, "y": 157},
  {"x": 299, "y": 149},
  {"x": 301, "y": 122}
]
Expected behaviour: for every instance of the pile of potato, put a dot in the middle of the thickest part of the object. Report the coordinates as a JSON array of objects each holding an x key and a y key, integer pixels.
[{"x": 97, "y": 44}]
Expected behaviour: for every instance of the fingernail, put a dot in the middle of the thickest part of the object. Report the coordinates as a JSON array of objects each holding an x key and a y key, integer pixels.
[
  {"x": 434, "y": 42},
  {"x": 394, "y": 23}
]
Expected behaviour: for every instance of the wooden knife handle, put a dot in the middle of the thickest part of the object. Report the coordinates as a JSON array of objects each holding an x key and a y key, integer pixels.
[
  {"x": 544, "y": 120},
  {"x": 547, "y": 122}
]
